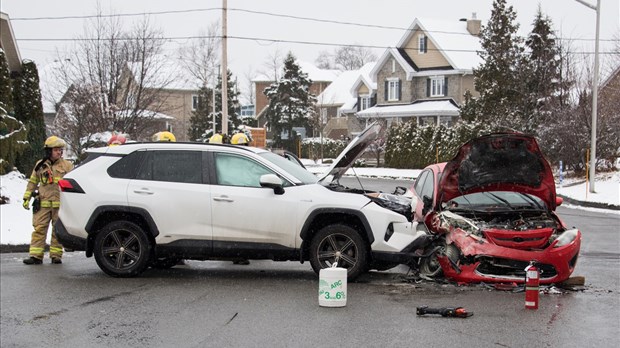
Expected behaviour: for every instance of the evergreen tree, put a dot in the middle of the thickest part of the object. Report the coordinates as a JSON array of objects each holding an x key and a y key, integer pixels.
[
  {"x": 541, "y": 74},
  {"x": 498, "y": 79},
  {"x": 233, "y": 104},
  {"x": 290, "y": 103},
  {"x": 6, "y": 90},
  {"x": 29, "y": 110},
  {"x": 201, "y": 122}
]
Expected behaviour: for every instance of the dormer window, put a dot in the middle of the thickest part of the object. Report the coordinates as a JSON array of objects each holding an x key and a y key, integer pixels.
[
  {"x": 422, "y": 43},
  {"x": 364, "y": 102}
]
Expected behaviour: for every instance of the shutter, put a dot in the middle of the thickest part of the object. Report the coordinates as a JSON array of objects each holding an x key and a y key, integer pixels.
[
  {"x": 400, "y": 87},
  {"x": 385, "y": 95},
  {"x": 373, "y": 101},
  {"x": 445, "y": 87},
  {"x": 425, "y": 44},
  {"x": 359, "y": 103},
  {"x": 428, "y": 88}
]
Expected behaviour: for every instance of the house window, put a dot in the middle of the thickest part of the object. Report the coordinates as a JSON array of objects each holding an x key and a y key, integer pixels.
[
  {"x": 364, "y": 102},
  {"x": 194, "y": 102},
  {"x": 437, "y": 86},
  {"x": 393, "y": 90},
  {"x": 422, "y": 41}
]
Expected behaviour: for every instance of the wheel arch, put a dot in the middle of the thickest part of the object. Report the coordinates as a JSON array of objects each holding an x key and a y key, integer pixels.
[
  {"x": 103, "y": 215},
  {"x": 327, "y": 216}
]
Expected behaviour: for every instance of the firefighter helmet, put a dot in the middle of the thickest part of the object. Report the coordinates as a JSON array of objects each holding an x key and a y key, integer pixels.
[
  {"x": 54, "y": 142},
  {"x": 216, "y": 139},
  {"x": 240, "y": 139},
  {"x": 164, "y": 136},
  {"x": 117, "y": 139}
]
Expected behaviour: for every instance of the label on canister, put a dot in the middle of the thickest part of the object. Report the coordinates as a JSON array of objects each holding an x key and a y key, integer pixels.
[{"x": 333, "y": 287}]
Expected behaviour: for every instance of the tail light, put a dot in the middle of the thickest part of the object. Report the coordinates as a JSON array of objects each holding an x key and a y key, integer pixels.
[{"x": 69, "y": 185}]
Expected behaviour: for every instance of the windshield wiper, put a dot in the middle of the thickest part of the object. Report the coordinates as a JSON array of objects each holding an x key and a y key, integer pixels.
[
  {"x": 535, "y": 202},
  {"x": 500, "y": 199}
]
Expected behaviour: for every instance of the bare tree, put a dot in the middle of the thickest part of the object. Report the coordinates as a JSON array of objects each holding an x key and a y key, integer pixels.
[
  {"x": 324, "y": 60},
  {"x": 353, "y": 57},
  {"x": 123, "y": 70},
  {"x": 273, "y": 65},
  {"x": 247, "y": 88},
  {"x": 201, "y": 58}
]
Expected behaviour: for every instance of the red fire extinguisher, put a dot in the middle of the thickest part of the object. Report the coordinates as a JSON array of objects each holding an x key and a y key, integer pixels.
[{"x": 532, "y": 281}]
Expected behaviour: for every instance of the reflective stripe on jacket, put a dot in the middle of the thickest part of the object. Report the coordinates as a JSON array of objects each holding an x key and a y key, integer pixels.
[{"x": 45, "y": 179}]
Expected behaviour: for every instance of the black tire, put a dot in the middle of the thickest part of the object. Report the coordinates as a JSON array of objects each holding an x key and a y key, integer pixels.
[
  {"x": 343, "y": 241},
  {"x": 430, "y": 266},
  {"x": 165, "y": 262},
  {"x": 122, "y": 249}
]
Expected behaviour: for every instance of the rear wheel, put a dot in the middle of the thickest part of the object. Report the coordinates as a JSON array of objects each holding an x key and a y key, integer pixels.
[
  {"x": 342, "y": 243},
  {"x": 122, "y": 249}
]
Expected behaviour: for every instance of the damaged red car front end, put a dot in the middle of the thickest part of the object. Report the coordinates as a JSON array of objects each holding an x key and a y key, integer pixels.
[{"x": 494, "y": 204}]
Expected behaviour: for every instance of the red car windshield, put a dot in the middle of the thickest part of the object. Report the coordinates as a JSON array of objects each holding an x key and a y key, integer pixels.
[{"x": 496, "y": 201}]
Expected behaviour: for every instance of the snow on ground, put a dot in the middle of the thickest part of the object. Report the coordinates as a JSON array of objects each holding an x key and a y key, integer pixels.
[{"x": 16, "y": 222}]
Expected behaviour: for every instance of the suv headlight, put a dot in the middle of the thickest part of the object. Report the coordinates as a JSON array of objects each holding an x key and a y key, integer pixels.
[{"x": 566, "y": 238}]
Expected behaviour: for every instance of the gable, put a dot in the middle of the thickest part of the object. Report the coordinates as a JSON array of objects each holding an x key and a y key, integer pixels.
[{"x": 433, "y": 57}]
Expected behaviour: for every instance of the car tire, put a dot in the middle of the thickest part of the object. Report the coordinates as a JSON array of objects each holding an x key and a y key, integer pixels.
[
  {"x": 122, "y": 249},
  {"x": 430, "y": 266},
  {"x": 343, "y": 241}
]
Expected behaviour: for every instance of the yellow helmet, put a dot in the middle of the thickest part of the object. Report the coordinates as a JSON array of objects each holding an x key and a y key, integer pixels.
[
  {"x": 240, "y": 139},
  {"x": 53, "y": 142},
  {"x": 216, "y": 139},
  {"x": 164, "y": 136}
]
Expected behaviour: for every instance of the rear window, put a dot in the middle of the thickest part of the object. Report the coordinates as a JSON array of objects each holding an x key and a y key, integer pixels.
[{"x": 127, "y": 167}]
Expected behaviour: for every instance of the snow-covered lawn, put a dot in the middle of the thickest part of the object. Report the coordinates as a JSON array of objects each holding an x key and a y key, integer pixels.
[{"x": 16, "y": 222}]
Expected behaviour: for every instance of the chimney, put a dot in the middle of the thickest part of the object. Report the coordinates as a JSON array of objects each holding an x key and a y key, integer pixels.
[{"x": 473, "y": 25}]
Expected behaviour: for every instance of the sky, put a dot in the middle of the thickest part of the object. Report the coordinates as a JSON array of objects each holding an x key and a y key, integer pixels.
[
  {"x": 16, "y": 222},
  {"x": 258, "y": 27}
]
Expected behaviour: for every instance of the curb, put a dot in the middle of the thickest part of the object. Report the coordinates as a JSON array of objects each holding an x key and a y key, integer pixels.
[{"x": 589, "y": 204}]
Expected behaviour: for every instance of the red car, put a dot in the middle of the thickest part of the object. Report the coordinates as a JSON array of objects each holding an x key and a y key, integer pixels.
[{"x": 491, "y": 210}]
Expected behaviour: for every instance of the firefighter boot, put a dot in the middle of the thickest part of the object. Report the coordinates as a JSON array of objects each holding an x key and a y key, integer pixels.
[
  {"x": 33, "y": 261},
  {"x": 56, "y": 260}
]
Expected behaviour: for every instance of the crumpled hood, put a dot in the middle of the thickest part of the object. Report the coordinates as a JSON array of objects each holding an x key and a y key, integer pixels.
[
  {"x": 352, "y": 152},
  {"x": 498, "y": 162}
]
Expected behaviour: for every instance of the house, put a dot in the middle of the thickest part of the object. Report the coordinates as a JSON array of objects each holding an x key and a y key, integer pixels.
[
  {"x": 9, "y": 45},
  {"x": 321, "y": 78},
  {"x": 427, "y": 74},
  {"x": 350, "y": 92}
]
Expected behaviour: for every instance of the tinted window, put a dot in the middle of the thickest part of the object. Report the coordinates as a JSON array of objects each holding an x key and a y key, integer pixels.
[
  {"x": 127, "y": 167},
  {"x": 173, "y": 166},
  {"x": 233, "y": 170}
]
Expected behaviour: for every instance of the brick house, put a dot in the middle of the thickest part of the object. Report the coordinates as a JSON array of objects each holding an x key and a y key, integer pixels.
[{"x": 426, "y": 75}]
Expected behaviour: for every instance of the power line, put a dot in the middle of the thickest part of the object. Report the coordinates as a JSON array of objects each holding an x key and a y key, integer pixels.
[
  {"x": 257, "y": 39},
  {"x": 319, "y": 20}
]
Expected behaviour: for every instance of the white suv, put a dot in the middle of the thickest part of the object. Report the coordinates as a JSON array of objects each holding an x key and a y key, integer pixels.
[{"x": 152, "y": 204}]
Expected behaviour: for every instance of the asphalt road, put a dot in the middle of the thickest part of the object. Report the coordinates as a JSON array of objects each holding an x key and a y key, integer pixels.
[{"x": 216, "y": 303}]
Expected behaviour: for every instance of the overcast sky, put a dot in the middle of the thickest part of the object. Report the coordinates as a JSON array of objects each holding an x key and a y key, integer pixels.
[{"x": 248, "y": 53}]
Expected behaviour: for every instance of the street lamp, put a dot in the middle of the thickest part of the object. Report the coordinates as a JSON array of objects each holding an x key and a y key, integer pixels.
[{"x": 596, "y": 8}]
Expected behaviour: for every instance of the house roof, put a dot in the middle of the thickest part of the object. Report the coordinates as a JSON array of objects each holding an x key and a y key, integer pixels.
[
  {"x": 611, "y": 76},
  {"x": 342, "y": 91},
  {"x": 420, "y": 108},
  {"x": 452, "y": 38},
  {"x": 392, "y": 52},
  {"x": 8, "y": 43},
  {"x": 315, "y": 74}
]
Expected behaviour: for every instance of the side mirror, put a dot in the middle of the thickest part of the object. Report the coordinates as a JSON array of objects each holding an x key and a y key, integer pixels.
[
  {"x": 558, "y": 201},
  {"x": 272, "y": 181},
  {"x": 428, "y": 204}
]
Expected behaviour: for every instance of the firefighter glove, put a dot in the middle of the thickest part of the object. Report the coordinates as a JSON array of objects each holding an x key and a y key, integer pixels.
[{"x": 26, "y": 204}]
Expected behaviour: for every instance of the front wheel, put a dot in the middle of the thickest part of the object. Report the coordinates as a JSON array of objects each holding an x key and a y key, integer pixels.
[
  {"x": 122, "y": 249},
  {"x": 341, "y": 243}
]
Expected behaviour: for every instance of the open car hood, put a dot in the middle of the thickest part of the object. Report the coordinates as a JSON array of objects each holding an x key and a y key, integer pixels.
[
  {"x": 352, "y": 152},
  {"x": 498, "y": 162}
]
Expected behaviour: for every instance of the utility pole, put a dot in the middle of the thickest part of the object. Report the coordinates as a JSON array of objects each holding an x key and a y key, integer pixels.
[
  {"x": 224, "y": 70},
  {"x": 596, "y": 8}
]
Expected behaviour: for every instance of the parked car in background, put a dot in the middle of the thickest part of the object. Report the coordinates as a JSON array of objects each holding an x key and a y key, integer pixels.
[
  {"x": 491, "y": 211},
  {"x": 150, "y": 204}
]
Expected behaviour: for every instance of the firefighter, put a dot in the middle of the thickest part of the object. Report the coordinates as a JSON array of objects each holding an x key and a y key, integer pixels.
[
  {"x": 44, "y": 178},
  {"x": 216, "y": 139},
  {"x": 164, "y": 136}
]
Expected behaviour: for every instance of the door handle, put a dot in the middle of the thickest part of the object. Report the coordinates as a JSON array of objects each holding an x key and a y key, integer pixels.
[
  {"x": 143, "y": 191},
  {"x": 223, "y": 199}
]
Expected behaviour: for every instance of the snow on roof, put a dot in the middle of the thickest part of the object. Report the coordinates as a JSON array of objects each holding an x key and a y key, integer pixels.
[
  {"x": 315, "y": 74},
  {"x": 167, "y": 73},
  {"x": 341, "y": 92},
  {"x": 451, "y": 38},
  {"x": 425, "y": 108}
]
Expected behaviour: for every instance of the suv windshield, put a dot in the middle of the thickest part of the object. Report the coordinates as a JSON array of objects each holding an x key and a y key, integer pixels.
[{"x": 300, "y": 173}]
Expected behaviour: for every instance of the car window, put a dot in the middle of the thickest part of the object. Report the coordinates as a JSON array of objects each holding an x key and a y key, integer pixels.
[
  {"x": 420, "y": 183},
  {"x": 172, "y": 166},
  {"x": 127, "y": 167},
  {"x": 234, "y": 170},
  {"x": 428, "y": 187},
  {"x": 294, "y": 169}
]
